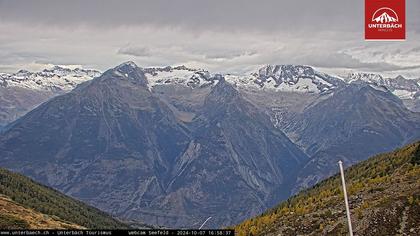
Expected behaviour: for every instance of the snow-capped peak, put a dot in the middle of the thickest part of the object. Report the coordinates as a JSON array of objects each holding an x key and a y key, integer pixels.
[
  {"x": 56, "y": 78},
  {"x": 290, "y": 78},
  {"x": 128, "y": 63},
  {"x": 367, "y": 77},
  {"x": 180, "y": 75},
  {"x": 399, "y": 86},
  {"x": 283, "y": 78}
]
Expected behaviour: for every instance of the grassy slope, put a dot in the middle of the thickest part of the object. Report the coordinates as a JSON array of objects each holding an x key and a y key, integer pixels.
[
  {"x": 20, "y": 193},
  {"x": 16, "y": 216},
  {"x": 384, "y": 196}
]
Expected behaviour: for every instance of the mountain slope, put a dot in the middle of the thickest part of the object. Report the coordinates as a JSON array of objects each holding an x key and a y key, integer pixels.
[
  {"x": 109, "y": 142},
  {"x": 237, "y": 164},
  {"x": 223, "y": 169},
  {"x": 408, "y": 90},
  {"x": 118, "y": 146},
  {"x": 158, "y": 145},
  {"x": 384, "y": 197},
  {"x": 15, "y": 216},
  {"x": 26, "y": 204},
  {"x": 354, "y": 123},
  {"x": 22, "y": 91}
]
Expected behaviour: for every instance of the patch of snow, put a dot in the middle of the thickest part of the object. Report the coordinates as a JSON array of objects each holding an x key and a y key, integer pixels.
[
  {"x": 404, "y": 94},
  {"x": 379, "y": 87},
  {"x": 179, "y": 75},
  {"x": 288, "y": 78},
  {"x": 399, "y": 86},
  {"x": 57, "y": 78}
]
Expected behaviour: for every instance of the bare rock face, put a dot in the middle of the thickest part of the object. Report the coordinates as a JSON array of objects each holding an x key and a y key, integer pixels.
[
  {"x": 114, "y": 144},
  {"x": 246, "y": 159},
  {"x": 354, "y": 123}
]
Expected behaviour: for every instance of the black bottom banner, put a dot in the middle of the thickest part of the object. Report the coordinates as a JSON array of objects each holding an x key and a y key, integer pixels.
[{"x": 145, "y": 232}]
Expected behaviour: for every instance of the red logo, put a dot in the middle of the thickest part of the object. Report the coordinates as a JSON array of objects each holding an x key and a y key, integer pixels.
[{"x": 385, "y": 19}]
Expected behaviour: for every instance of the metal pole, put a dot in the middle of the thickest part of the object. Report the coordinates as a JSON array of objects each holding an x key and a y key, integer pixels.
[
  {"x": 340, "y": 163},
  {"x": 205, "y": 222}
]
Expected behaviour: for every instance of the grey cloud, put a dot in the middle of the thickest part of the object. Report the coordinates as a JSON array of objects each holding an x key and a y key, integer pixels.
[
  {"x": 134, "y": 51},
  {"x": 228, "y": 55},
  {"x": 19, "y": 57},
  {"x": 416, "y": 49},
  {"x": 266, "y": 15},
  {"x": 222, "y": 36},
  {"x": 343, "y": 60}
]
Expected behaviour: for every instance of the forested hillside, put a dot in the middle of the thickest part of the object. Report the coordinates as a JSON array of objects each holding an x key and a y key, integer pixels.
[
  {"x": 384, "y": 196},
  {"x": 27, "y": 204}
]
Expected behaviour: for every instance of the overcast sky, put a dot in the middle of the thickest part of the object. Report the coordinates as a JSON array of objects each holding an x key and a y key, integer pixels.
[{"x": 233, "y": 36}]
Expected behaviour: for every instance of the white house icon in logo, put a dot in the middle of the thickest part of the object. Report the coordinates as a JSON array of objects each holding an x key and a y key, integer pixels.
[{"x": 385, "y": 15}]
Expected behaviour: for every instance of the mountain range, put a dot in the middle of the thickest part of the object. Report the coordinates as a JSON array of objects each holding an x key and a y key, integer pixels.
[
  {"x": 22, "y": 91},
  {"x": 114, "y": 144},
  {"x": 172, "y": 146}
]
